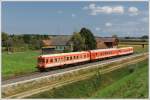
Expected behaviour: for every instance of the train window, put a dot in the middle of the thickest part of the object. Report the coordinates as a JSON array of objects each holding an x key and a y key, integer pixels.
[
  {"x": 70, "y": 57},
  {"x": 51, "y": 60},
  {"x": 67, "y": 58},
  {"x": 46, "y": 60},
  {"x": 74, "y": 57},
  {"x": 84, "y": 56},
  {"x": 55, "y": 59}
]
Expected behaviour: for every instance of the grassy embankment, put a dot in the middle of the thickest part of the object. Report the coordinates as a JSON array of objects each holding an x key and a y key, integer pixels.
[
  {"x": 25, "y": 62},
  {"x": 18, "y": 63},
  {"x": 127, "y": 82},
  {"x": 134, "y": 85}
]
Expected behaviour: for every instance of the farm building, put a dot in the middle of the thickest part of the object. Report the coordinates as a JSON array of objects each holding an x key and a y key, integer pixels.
[
  {"x": 60, "y": 43},
  {"x": 106, "y": 42},
  {"x": 56, "y": 44}
]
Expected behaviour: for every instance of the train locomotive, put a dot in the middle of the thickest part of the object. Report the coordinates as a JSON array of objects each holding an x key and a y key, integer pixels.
[{"x": 59, "y": 60}]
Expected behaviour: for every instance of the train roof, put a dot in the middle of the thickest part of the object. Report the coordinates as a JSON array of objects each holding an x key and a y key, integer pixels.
[
  {"x": 103, "y": 49},
  {"x": 125, "y": 47},
  {"x": 59, "y": 54}
]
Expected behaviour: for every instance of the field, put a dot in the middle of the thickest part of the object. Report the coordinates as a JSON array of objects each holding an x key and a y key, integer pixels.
[
  {"x": 134, "y": 85},
  {"x": 127, "y": 82},
  {"x": 20, "y": 63},
  {"x": 137, "y": 48}
]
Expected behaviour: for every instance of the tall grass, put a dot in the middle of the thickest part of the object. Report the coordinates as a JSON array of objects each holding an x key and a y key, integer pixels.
[
  {"x": 18, "y": 63},
  {"x": 134, "y": 85}
]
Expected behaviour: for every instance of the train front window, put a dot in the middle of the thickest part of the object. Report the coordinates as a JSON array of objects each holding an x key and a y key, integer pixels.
[{"x": 40, "y": 60}]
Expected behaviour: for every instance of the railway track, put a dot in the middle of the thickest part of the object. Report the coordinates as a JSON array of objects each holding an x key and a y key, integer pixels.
[{"x": 42, "y": 74}]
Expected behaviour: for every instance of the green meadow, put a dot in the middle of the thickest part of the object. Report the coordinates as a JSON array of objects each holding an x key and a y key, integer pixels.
[{"x": 18, "y": 63}]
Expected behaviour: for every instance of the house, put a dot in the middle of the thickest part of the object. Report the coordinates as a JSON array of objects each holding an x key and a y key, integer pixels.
[
  {"x": 60, "y": 43},
  {"x": 106, "y": 42},
  {"x": 56, "y": 44}
]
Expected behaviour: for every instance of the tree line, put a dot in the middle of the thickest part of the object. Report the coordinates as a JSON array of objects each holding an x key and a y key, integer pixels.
[
  {"x": 22, "y": 42},
  {"x": 83, "y": 40}
]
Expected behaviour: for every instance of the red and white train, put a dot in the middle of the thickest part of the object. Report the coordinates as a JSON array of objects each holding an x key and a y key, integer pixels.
[{"x": 55, "y": 60}]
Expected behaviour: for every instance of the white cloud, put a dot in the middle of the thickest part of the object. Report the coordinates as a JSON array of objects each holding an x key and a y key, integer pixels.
[
  {"x": 94, "y": 10},
  {"x": 73, "y": 15},
  {"x": 108, "y": 24},
  {"x": 133, "y": 11},
  {"x": 97, "y": 29},
  {"x": 118, "y": 9}
]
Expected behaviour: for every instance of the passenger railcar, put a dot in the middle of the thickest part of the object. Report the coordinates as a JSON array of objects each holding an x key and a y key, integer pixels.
[
  {"x": 103, "y": 53},
  {"x": 125, "y": 50},
  {"x": 54, "y": 60}
]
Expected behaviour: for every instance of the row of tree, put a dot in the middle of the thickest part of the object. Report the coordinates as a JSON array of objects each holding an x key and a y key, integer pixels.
[
  {"x": 83, "y": 40},
  {"x": 22, "y": 42}
]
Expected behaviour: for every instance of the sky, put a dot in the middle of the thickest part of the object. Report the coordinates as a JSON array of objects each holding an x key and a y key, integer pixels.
[{"x": 63, "y": 18}]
